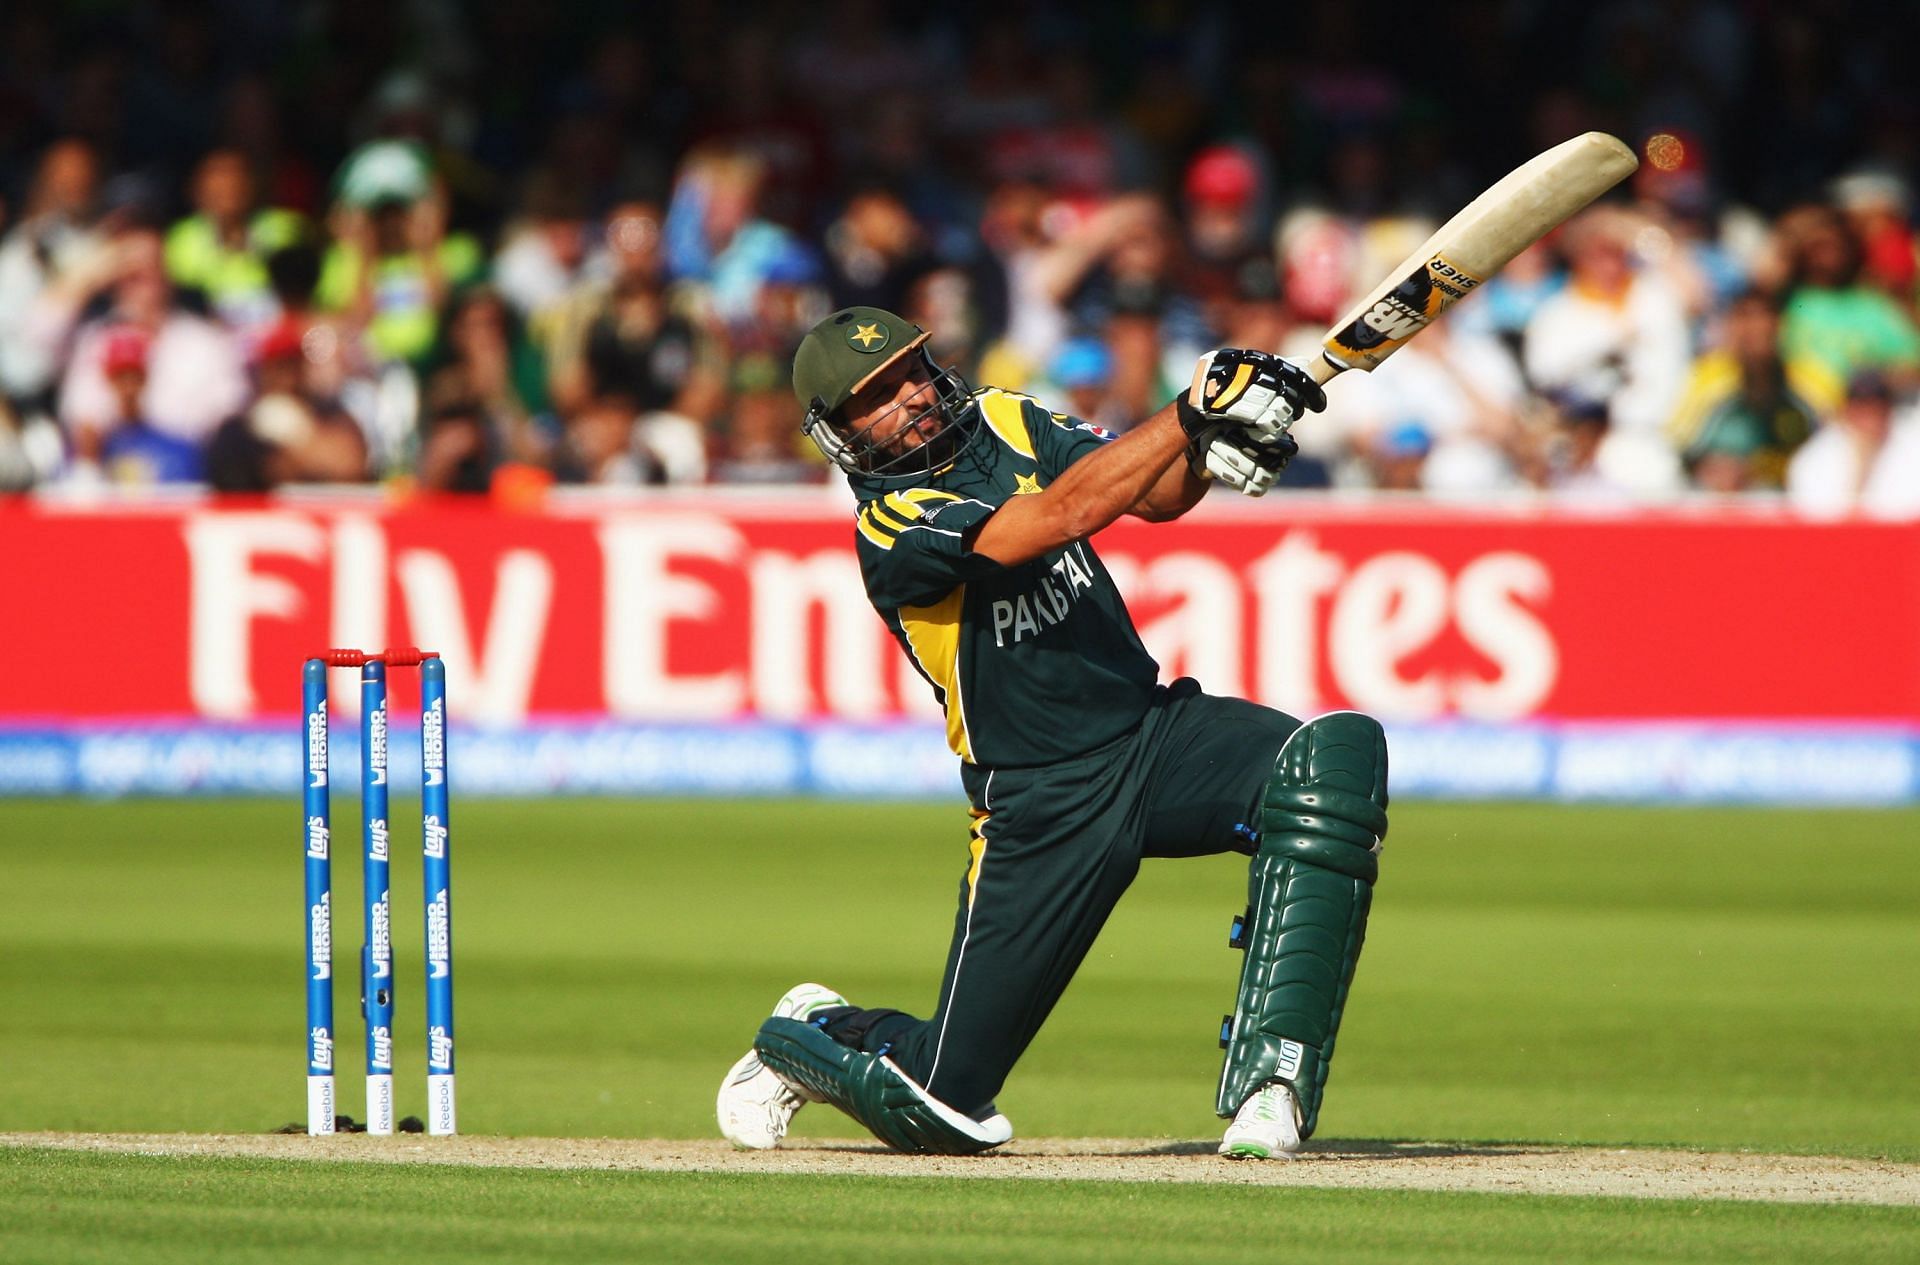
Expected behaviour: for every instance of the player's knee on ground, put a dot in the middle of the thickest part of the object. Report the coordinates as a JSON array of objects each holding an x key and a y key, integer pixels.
[{"x": 1321, "y": 817}]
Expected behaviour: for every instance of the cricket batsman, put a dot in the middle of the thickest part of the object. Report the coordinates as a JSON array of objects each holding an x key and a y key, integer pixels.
[{"x": 976, "y": 511}]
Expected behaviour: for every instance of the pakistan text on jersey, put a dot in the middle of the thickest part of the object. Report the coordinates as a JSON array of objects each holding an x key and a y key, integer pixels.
[{"x": 1049, "y": 602}]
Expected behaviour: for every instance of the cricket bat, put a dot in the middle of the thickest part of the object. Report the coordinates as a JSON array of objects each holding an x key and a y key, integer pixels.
[{"x": 1524, "y": 206}]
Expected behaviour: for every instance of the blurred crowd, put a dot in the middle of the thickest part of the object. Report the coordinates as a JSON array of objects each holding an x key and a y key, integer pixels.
[{"x": 479, "y": 248}]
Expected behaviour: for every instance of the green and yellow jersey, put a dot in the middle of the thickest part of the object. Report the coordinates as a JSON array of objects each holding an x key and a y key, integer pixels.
[
  {"x": 1032, "y": 663},
  {"x": 405, "y": 320},
  {"x": 234, "y": 278}
]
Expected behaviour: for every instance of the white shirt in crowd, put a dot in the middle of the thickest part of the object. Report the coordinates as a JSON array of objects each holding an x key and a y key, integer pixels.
[
  {"x": 196, "y": 379},
  {"x": 1829, "y": 476},
  {"x": 1427, "y": 384},
  {"x": 1632, "y": 354}
]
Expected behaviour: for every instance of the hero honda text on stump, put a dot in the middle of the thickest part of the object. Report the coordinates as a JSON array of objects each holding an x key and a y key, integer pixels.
[{"x": 376, "y": 959}]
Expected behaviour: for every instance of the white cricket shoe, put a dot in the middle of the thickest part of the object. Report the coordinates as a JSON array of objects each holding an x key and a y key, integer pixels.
[
  {"x": 1266, "y": 1127},
  {"x": 755, "y": 1106}
]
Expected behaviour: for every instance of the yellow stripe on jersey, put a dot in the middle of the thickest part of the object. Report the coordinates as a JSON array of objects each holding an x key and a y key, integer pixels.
[
  {"x": 1007, "y": 419},
  {"x": 880, "y": 521},
  {"x": 977, "y": 849},
  {"x": 933, "y": 635},
  {"x": 877, "y": 511},
  {"x": 864, "y": 522},
  {"x": 911, "y": 503}
]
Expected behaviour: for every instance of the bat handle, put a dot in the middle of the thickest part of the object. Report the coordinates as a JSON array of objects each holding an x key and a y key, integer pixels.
[{"x": 1322, "y": 368}]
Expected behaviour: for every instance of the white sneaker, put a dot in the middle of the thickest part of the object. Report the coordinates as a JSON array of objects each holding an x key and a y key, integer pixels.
[
  {"x": 755, "y": 1106},
  {"x": 1266, "y": 1127},
  {"x": 803, "y": 1001}
]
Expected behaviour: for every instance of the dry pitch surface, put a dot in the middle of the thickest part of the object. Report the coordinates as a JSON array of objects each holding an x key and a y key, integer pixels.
[{"x": 1510, "y": 1169}]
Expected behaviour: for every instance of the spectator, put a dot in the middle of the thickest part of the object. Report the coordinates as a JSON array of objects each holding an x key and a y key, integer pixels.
[
  {"x": 762, "y": 442},
  {"x": 1080, "y": 381},
  {"x": 597, "y": 445},
  {"x": 282, "y": 439},
  {"x": 1318, "y": 254},
  {"x": 1255, "y": 313},
  {"x": 170, "y": 95},
  {"x": 393, "y": 263},
  {"x": 295, "y": 430},
  {"x": 1877, "y": 203},
  {"x": 629, "y": 339},
  {"x": 792, "y": 298},
  {"x": 1746, "y": 408},
  {"x": 1156, "y": 330},
  {"x": 544, "y": 254},
  {"x": 487, "y": 364},
  {"x": 195, "y": 376},
  {"x": 1574, "y": 464},
  {"x": 221, "y": 249},
  {"x": 1462, "y": 392},
  {"x": 1504, "y": 306},
  {"x": 56, "y": 234},
  {"x": 1831, "y": 315},
  {"x": 875, "y": 252},
  {"x": 955, "y": 305},
  {"x": 1116, "y": 272},
  {"x": 1615, "y": 336},
  {"x": 1019, "y": 229},
  {"x": 20, "y": 466},
  {"x": 281, "y": 365},
  {"x": 333, "y": 360},
  {"x": 1398, "y": 454},
  {"x": 1228, "y": 253},
  {"x": 459, "y": 446},
  {"x": 1866, "y": 460},
  {"x": 133, "y": 453},
  {"x": 715, "y": 239},
  {"x": 900, "y": 152}
]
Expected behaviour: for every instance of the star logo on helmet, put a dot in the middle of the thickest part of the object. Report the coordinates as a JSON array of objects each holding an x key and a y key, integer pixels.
[{"x": 870, "y": 336}]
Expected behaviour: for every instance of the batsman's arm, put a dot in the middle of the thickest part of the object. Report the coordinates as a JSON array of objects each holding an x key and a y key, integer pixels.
[
  {"x": 1143, "y": 471},
  {"x": 1177, "y": 490}
]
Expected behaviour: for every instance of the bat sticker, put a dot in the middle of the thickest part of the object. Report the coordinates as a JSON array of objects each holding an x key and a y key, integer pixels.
[{"x": 1401, "y": 313}]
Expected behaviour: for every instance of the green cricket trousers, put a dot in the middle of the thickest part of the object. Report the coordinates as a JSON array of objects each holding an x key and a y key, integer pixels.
[{"x": 1050, "y": 851}]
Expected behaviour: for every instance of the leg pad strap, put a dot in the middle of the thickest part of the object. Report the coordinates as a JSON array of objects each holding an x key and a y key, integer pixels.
[{"x": 873, "y": 1090}]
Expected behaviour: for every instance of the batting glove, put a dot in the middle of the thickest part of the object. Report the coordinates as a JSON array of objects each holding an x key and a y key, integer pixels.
[
  {"x": 1253, "y": 392},
  {"x": 1239, "y": 463}
]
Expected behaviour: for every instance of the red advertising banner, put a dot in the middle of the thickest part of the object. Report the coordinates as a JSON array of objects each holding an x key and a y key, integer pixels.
[{"x": 716, "y": 608}]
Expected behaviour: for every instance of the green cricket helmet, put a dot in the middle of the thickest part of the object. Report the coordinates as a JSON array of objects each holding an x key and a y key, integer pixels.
[{"x": 847, "y": 351}]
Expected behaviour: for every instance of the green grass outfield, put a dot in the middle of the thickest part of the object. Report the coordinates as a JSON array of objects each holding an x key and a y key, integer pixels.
[
  {"x": 1717, "y": 979},
  {"x": 116, "y": 1209}
]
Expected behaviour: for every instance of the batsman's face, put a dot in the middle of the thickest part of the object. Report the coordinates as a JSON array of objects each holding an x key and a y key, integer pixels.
[{"x": 898, "y": 411}]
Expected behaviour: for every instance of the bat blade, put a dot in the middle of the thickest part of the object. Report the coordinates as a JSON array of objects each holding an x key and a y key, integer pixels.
[{"x": 1518, "y": 210}]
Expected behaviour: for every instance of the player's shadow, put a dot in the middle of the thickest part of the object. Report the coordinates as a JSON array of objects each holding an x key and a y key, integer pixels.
[{"x": 1367, "y": 1149}]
